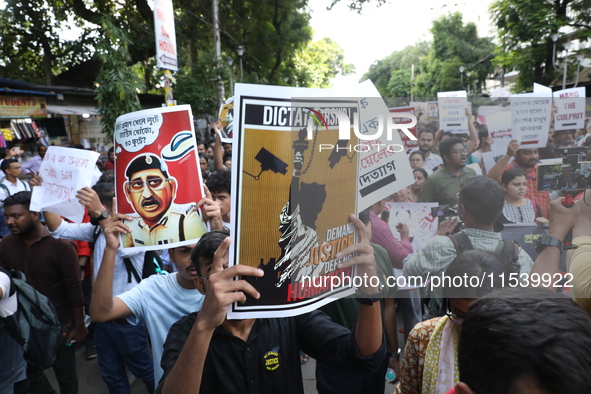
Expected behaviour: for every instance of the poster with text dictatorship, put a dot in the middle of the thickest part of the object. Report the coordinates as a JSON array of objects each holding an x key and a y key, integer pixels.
[
  {"x": 64, "y": 171},
  {"x": 292, "y": 195},
  {"x": 157, "y": 178}
]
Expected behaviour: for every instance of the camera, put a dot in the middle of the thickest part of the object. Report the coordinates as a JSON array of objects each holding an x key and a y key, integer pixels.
[{"x": 574, "y": 173}]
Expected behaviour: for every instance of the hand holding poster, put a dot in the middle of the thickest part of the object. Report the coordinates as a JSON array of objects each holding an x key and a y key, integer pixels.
[
  {"x": 296, "y": 177},
  {"x": 158, "y": 180},
  {"x": 452, "y": 111},
  {"x": 570, "y": 109},
  {"x": 64, "y": 171}
]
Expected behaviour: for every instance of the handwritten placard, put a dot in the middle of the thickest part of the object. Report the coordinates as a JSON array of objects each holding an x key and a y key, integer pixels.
[{"x": 64, "y": 171}]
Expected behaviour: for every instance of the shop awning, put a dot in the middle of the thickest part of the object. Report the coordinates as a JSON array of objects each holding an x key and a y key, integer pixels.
[{"x": 71, "y": 110}]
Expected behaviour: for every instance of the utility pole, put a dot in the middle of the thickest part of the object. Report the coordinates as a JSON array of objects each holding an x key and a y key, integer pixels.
[{"x": 218, "y": 51}]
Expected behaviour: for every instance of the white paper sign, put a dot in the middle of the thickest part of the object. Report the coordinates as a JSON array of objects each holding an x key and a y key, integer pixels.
[
  {"x": 422, "y": 226},
  {"x": 165, "y": 35},
  {"x": 452, "y": 111},
  {"x": 571, "y": 109},
  {"x": 490, "y": 158},
  {"x": 541, "y": 89},
  {"x": 499, "y": 126},
  {"x": 383, "y": 160},
  {"x": 501, "y": 92},
  {"x": 64, "y": 172},
  {"x": 530, "y": 119}
]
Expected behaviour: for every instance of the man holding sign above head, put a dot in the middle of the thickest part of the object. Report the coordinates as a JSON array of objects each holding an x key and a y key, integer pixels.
[{"x": 158, "y": 220}]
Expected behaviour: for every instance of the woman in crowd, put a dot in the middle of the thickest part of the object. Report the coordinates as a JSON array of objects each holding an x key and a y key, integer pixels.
[
  {"x": 204, "y": 164},
  {"x": 402, "y": 195},
  {"x": 517, "y": 208},
  {"x": 420, "y": 175},
  {"x": 417, "y": 159},
  {"x": 429, "y": 365}
]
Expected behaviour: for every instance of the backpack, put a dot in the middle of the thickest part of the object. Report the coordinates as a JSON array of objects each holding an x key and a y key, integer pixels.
[
  {"x": 35, "y": 325},
  {"x": 508, "y": 250},
  {"x": 152, "y": 263}
]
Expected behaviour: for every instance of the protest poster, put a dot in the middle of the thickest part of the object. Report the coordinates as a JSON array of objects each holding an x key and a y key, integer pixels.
[
  {"x": 408, "y": 143},
  {"x": 541, "y": 90},
  {"x": 422, "y": 112},
  {"x": 64, "y": 171},
  {"x": 296, "y": 180},
  {"x": 384, "y": 165},
  {"x": 432, "y": 111},
  {"x": 422, "y": 226},
  {"x": 501, "y": 92},
  {"x": 452, "y": 111},
  {"x": 157, "y": 178},
  {"x": 499, "y": 127},
  {"x": 486, "y": 110},
  {"x": 526, "y": 235},
  {"x": 570, "y": 109},
  {"x": 530, "y": 119},
  {"x": 293, "y": 196},
  {"x": 490, "y": 158},
  {"x": 226, "y": 117}
]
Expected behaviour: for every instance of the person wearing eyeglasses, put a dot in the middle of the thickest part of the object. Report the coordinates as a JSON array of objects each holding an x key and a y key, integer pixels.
[
  {"x": 158, "y": 220},
  {"x": 428, "y": 364},
  {"x": 444, "y": 184}
]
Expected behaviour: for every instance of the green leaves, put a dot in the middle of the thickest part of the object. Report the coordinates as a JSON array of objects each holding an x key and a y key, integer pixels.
[{"x": 116, "y": 91}]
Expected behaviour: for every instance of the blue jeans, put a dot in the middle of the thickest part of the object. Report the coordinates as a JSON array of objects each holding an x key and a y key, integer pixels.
[{"x": 118, "y": 345}]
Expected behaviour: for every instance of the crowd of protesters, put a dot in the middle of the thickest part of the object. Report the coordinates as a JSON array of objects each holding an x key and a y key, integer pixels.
[{"x": 171, "y": 331}]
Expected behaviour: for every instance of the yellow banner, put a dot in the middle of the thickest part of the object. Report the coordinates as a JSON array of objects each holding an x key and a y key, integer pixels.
[{"x": 22, "y": 106}]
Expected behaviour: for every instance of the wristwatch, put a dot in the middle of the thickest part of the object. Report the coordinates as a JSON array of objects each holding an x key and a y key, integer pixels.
[
  {"x": 104, "y": 214},
  {"x": 548, "y": 240},
  {"x": 369, "y": 299}
]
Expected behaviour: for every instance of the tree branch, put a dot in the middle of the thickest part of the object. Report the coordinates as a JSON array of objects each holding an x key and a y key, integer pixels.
[{"x": 80, "y": 9}]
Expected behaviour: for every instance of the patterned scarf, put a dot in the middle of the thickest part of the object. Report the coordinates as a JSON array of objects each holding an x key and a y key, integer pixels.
[{"x": 440, "y": 371}]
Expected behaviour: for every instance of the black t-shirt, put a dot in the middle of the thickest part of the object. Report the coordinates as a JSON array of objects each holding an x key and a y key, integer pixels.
[{"x": 269, "y": 362}]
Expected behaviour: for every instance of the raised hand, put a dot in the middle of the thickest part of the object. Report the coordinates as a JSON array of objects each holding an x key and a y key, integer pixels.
[
  {"x": 220, "y": 289},
  {"x": 211, "y": 210}
]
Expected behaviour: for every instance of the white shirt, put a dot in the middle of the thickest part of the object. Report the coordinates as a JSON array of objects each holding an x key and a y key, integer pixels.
[
  {"x": 8, "y": 302},
  {"x": 20, "y": 186},
  {"x": 160, "y": 301},
  {"x": 85, "y": 232}
]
